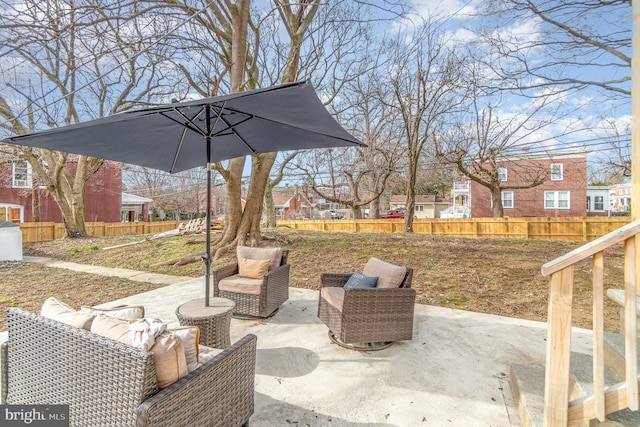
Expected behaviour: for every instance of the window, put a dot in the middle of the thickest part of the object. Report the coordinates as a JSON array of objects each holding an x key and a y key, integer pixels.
[
  {"x": 419, "y": 208},
  {"x": 557, "y": 171},
  {"x": 556, "y": 200},
  {"x": 502, "y": 173},
  {"x": 507, "y": 199},
  {"x": 21, "y": 174},
  {"x": 598, "y": 203}
]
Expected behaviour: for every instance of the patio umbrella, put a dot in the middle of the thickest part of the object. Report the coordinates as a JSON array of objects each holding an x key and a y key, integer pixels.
[{"x": 180, "y": 136}]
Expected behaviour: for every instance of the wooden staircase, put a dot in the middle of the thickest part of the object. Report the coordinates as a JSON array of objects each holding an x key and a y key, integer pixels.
[
  {"x": 574, "y": 388},
  {"x": 527, "y": 385}
]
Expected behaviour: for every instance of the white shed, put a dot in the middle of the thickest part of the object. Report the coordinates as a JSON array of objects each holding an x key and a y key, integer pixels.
[{"x": 10, "y": 242}]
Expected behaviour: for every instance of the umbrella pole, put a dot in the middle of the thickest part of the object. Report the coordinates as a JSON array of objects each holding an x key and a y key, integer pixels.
[{"x": 207, "y": 255}]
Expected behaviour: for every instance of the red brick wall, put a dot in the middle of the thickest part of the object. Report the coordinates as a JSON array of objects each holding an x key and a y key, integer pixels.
[
  {"x": 103, "y": 196},
  {"x": 530, "y": 202}
]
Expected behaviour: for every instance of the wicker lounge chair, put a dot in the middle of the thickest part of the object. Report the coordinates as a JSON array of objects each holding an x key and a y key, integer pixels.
[
  {"x": 371, "y": 318},
  {"x": 108, "y": 383},
  {"x": 254, "y": 297}
]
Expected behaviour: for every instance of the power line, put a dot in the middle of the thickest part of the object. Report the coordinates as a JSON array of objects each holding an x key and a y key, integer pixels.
[{"x": 118, "y": 66}]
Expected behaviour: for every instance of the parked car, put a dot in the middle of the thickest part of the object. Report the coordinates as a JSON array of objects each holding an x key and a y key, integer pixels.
[
  {"x": 336, "y": 215},
  {"x": 392, "y": 214}
]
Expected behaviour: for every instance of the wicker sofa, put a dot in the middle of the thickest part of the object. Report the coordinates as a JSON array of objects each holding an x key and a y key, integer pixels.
[
  {"x": 108, "y": 383},
  {"x": 368, "y": 318}
]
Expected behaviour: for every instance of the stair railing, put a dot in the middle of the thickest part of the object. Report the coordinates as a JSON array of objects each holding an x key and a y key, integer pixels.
[{"x": 559, "y": 410}]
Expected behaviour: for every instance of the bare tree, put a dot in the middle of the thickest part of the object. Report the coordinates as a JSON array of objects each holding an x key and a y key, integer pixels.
[
  {"x": 480, "y": 148},
  {"x": 350, "y": 177},
  {"x": 357, "y": 177},
  {"x": 615, "y": 162},
  {"x": 64, "y": 63},
  {"x": 582, "y": 45},
  {"x": 425, "y": 77}
]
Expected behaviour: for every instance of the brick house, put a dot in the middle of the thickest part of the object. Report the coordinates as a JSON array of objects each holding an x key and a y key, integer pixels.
[
  {"x": 291, "y": 203},
  {"x": 102, "y": 194},
  {"x": 620, "y": 198},
  {"x": 564, "y": 192}
]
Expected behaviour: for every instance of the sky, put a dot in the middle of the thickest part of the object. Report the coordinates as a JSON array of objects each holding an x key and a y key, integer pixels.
[{"x": 590, "y": 116}]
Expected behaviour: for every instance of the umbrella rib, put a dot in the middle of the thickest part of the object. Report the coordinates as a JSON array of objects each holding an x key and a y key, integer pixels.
[
  {"x": 233, "y": 130},
  {"x": 190, "y": 124},
  {"x": 175, "y": 157}
]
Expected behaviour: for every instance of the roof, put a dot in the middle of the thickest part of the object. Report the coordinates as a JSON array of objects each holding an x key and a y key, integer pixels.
[
  {"x": 132, "y": 199},
  {"x": 567, "y": 153},
  {"x": 281, "y": 196}
]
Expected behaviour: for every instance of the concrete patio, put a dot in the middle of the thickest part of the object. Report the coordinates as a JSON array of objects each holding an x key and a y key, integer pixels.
[{"x": 453, "y": 373}]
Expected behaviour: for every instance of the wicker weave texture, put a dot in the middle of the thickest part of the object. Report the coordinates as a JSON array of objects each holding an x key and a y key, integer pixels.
[
  {"x": 105, "y": 382},
  {"x": 274, "y": 290},
  {"x": 214, "y": 328},
  {"x": 369, "y": 315},
  {"x": 221, "y": 395}
]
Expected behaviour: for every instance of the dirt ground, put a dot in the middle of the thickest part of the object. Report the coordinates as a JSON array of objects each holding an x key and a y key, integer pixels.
[{"x": 495, "y": 276}]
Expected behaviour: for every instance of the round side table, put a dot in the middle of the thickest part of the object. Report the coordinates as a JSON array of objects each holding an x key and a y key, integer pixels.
[{"x": 214, "y": 321}]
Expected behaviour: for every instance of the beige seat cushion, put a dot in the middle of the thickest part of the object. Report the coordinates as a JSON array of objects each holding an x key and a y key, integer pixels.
[
  {"x": 205, "y": 353},
  {"x": 168, "y": 350},
  {"x": 272, "y": 254},
  {"x": 241, "y": 285},
  {"x": 127, "y": 312},
  {"x": 334, "y": 295},
  {"x": 253, "y": 268},
  {"x": 57, "y": 310},
  {"x": 389, "y": 275}
]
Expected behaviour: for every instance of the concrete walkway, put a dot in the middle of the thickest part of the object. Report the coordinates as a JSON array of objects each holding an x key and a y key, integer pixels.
[
  {"x": 136, "y": 276},
  {"x": 453, "y": 373}
]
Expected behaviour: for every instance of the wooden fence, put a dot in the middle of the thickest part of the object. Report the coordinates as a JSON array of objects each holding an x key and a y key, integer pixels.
[
  {"x": 577, "y": 229},
  {"x": 42, "y": 231},
  {"x": 570, "y": 228}
]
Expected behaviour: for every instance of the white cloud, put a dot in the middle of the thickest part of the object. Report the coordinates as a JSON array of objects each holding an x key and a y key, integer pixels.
[{"x": 457, "y": 9}]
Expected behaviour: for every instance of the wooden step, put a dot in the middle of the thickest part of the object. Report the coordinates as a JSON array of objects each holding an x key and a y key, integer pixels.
[
  {"x": 527, "y": 385},
  {"x": 614, "y": 355},
  {"x": 617, "y": 296}
]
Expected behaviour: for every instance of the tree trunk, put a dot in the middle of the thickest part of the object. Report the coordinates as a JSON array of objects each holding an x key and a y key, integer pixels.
[
  {"x": 67, "y": 189},
  {"x": 233, "y": 203},
  {"x": 374, "y": 208},
  {"x": 356, "y": 212},
  {"x": 269, "y": 208},
  {"x": 496, "y": 197},
  {"x": 35, "y": 203},
  {"x": 233, "y": 175},
  {"x": 260, "y": 170},
  {"x": 411, "y": 194}
]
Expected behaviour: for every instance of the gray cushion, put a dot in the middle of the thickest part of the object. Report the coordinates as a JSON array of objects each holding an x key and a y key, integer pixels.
[{"x": 358, "y": 280}]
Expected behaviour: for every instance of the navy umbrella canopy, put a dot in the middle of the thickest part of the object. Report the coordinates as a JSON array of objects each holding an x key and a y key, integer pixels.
[
  {"x": 181, "y": 136},
  {"x": 172, "y": 137}
]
